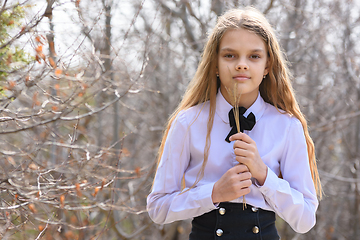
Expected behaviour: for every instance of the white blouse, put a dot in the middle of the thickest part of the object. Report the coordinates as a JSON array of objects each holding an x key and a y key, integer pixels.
[{"x": 281, "y": 144}]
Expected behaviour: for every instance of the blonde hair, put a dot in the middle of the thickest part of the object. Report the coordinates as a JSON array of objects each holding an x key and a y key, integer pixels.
[{"x": 275, "y": 89}]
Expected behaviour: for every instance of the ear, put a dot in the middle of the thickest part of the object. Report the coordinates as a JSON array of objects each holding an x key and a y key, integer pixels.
[{"x": 267, "y": 68}]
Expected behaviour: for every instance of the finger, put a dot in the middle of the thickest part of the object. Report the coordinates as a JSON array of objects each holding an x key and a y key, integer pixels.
[
  {"x": 244, "y": 176},
  {"x": 244, "y": 145},
  {"x": 244, "y": 184},
  {"x": 243, "y": 161},
  {"x": 236, "y": 136},
  {"x": 239, "y": 192},
  {"x": 241, "y": 137},
  {"x": 241, "y": 152},
  {"x": 244, "y": 191},
  {"x": 236, "y": 181},
  {"x": 239, "y": 144},
  {"x": 240, "y": 169},
  {"x": 239, "y": 180},
  {"x": 246, "y": 153}
]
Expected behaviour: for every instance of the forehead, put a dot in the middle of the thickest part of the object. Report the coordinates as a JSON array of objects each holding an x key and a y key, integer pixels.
[{"x": 241, "y": 39}]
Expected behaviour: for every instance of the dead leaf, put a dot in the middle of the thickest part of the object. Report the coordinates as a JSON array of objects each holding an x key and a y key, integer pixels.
[
  {"x": 78, "y": 190},
  {"x": 138, "y": 171},
  {"x": 11, "y": 161},
  {"x": 52, "y": 62},
  {"x": 62, "y": 200},
  {"x": 39, "y": 49},
  {"x": 32, "y": 208},
  {"x": 126, "y": 152},
  {"x": 58, "y": 72},
  {"x": 41, "y": 227},
  {"x": 12, "y": 84},
  {"x": 33, "y": 166},
  {"x": 52, "y": 48}
]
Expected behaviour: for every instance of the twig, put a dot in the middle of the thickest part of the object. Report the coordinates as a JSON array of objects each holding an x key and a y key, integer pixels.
[{"x": 40, "y": 234}]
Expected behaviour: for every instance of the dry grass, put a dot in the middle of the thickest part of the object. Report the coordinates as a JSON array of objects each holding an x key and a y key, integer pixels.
[{"x": 235, "y": 96}]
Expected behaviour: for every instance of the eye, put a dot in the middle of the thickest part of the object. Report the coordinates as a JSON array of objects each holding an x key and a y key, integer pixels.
[
  {"x": 255, "y": 56},
  {"x": 228, "y": 55}
]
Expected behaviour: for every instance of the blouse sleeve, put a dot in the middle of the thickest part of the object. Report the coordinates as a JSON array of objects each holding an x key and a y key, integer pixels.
[
  {"x": 166, "y": 202},
  {"x": 293, "y": 198}
]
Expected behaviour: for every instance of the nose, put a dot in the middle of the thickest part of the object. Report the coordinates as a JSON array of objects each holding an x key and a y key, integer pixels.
[{"x": 241, "y": 65}]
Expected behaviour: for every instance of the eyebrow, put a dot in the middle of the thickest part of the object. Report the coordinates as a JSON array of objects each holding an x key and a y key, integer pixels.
[{"x": 232, "y": 50}]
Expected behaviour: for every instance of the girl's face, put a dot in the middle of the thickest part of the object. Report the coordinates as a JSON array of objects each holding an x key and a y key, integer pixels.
[{"x": 242, "y": 58}]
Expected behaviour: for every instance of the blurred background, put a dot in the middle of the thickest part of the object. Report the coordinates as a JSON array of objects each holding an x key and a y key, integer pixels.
[{"x": 86, "y": 87}]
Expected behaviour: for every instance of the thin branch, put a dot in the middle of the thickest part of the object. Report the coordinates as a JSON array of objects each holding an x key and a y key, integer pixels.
[
  {"x": 24, "y": 30},
  {"x": 184, "y": 17},
  {"x": 61, "y": 117},
  {"x": 339, "y": 178},
  {"x": 3, "y": 7},
  {"x": 335, "y": 119},
  {"x": 269, "y": 7}
]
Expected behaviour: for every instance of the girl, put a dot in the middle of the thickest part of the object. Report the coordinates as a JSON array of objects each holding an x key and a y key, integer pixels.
[{"x": 204, "y": 171}]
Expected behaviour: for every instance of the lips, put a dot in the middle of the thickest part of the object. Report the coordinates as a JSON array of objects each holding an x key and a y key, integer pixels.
[{"x": 241, "y": 77}]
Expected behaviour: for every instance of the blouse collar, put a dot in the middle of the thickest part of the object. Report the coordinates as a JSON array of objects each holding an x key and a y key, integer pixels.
[{"x": 223, "y": 107}]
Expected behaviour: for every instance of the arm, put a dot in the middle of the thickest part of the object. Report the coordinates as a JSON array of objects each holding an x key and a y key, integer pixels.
[
  {"x": 166, "y": 202},
  {"x": 293, "y": 198}
]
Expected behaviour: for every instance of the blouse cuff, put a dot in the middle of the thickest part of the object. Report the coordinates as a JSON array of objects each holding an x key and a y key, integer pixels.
[
  {"x": 270, "y": 183},
  {"x": 206, "y": 190}
]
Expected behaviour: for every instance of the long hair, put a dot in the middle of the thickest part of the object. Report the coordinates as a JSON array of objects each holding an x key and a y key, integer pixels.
[{"x": 275, "y": 89}]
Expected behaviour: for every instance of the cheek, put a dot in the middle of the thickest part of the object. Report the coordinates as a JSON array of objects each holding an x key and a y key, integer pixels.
[{"x": 224, "y": 67}]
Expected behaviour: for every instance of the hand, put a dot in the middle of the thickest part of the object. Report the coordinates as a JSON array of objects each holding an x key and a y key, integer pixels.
[
  {"x": 247, "y": 153},
  {"x": 233, "y": 184}
]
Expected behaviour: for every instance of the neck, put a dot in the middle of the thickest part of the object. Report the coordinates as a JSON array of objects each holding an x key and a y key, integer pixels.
[{"x": 246, "y": 100}]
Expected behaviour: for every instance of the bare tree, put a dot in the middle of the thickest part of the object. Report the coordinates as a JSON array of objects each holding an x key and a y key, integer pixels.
[{"x": 81, "y": 121}]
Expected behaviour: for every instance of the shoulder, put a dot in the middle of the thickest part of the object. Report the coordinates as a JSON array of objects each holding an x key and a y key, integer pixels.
[
  {"x": 286, "y": 129},
  {"x": 280, "y": 119},
  {"x": 195, "y": 113}
]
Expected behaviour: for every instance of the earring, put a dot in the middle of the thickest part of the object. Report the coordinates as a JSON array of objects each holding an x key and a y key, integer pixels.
[{"x": 264, "y": 77}]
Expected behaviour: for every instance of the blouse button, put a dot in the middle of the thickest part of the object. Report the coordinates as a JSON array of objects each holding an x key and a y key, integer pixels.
[
  {"x": 222, "y": 211},
  {"x": 255, "y": 229},
  {"x": 254, "y": 209},
  {"x": 219, "y": 232}
]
